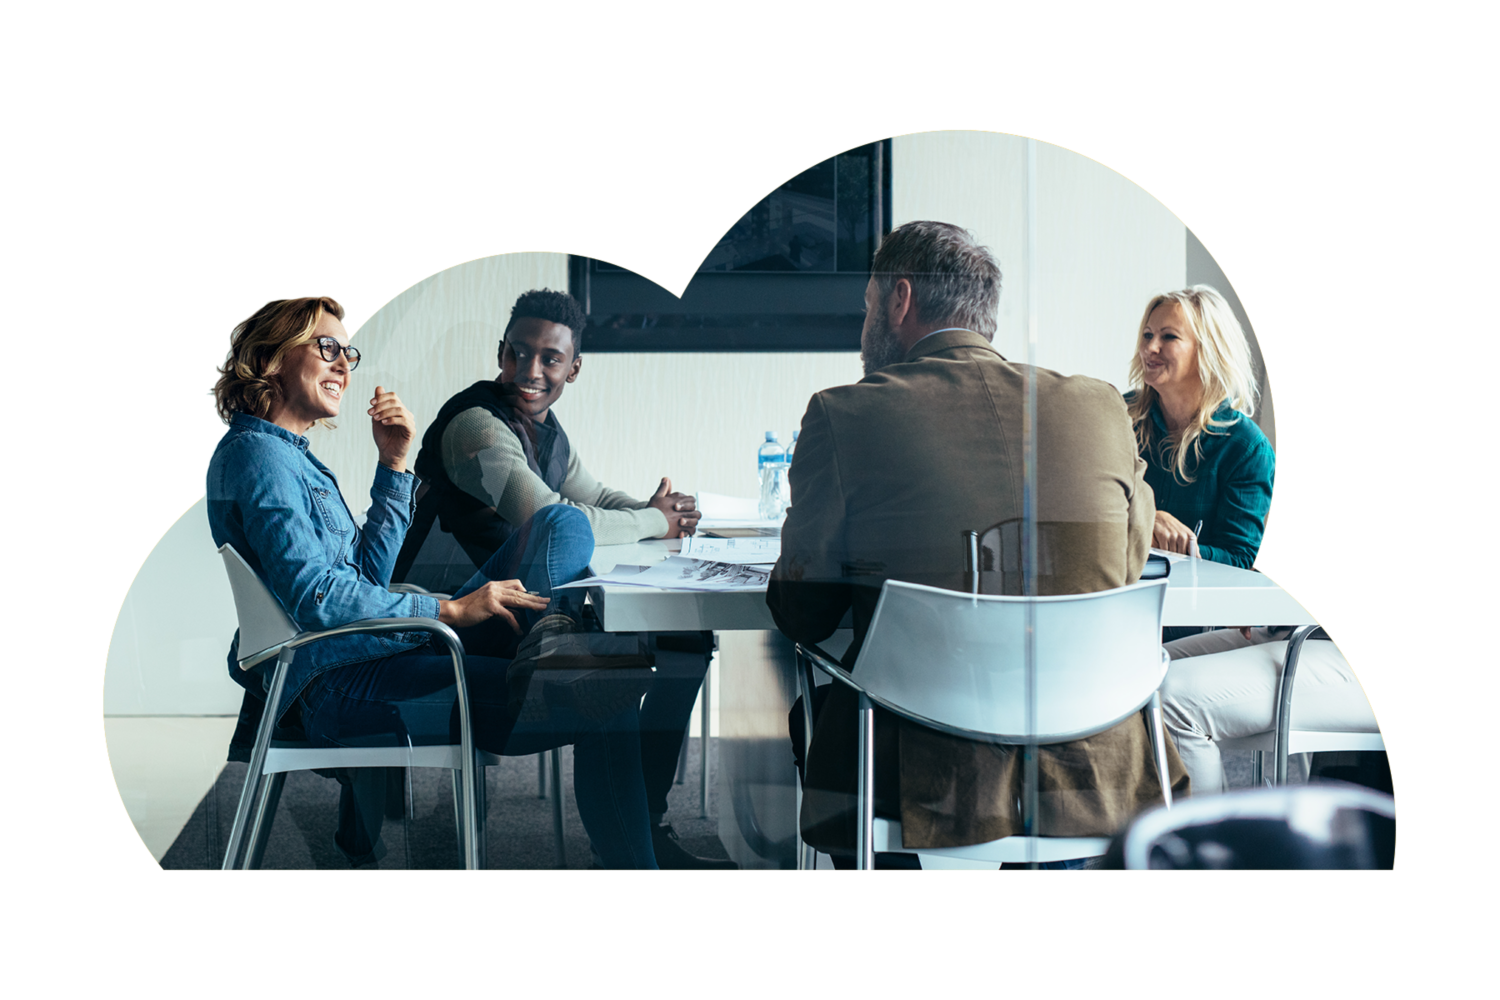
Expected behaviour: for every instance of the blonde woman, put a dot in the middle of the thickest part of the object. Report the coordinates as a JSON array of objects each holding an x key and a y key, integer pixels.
[
  {"x": 1192, "y": 399},
  {"x": 1192, "y": 396}
]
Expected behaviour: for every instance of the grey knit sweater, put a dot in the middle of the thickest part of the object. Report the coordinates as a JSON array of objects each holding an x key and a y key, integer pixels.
[{"x": 502, "y": 479}]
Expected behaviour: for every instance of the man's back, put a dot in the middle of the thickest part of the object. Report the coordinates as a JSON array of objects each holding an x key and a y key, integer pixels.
[
  {"x": 892, "y": 470},
  {"x": 889, "y": 473}
]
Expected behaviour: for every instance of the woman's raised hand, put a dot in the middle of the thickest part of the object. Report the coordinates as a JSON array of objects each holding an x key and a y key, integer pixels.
[
  {"x": 493, "y": 599},
  {"x": 393, "y": 428}
]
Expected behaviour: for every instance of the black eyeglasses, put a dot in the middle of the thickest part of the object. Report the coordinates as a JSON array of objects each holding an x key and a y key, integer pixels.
[{"x": 330, "y": 348}]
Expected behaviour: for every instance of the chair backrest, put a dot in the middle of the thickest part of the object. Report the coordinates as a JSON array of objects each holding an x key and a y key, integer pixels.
[
  {"x": 958, "y": 661},
  {"x": 1302, "y": 826},
  {"x": 264, "y": 623}
]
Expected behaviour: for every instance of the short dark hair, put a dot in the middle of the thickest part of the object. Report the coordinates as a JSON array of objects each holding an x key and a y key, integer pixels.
[
  {"x": 554, "y": 307},
  {"x": 249, "y": 380},
  {"x": 954, "y": 280}
]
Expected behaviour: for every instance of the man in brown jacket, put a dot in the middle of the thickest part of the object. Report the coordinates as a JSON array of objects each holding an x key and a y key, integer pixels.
[{"x": 889, "y": 472}]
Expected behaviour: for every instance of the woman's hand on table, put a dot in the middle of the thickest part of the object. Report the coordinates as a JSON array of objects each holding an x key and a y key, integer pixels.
[
  {"x": 680, "y": 509},
  {"x": 393, "y": 428},
  {"x": 1171, "y": 535},
  {"x": 493, "y": 599}
]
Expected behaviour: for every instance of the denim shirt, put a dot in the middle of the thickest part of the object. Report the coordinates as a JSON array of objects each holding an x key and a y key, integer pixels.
[{"x": 282, "y": 511}]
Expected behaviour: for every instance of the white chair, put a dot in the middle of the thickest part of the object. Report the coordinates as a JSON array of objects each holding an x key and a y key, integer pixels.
[
  {"x": 1307, "y": 827},
  {"x": 957, "y": 663},
  {"x": 267, "y": 631},
  {"x": 1284, "y": 739}
]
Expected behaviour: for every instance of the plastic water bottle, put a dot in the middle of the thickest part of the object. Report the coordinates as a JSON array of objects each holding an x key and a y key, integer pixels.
[
  {"x": 771, "y": 463},
  {"x": 786, "y": 492}
]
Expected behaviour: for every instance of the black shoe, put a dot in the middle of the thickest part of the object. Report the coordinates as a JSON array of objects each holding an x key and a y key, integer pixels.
[{"x": 670, "y": 855}]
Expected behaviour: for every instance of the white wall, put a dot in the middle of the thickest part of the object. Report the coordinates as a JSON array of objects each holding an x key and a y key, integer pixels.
[
  {"x": 1104, "y": 246},
  {"x": 1203, "y": 269},
  {"x": 632, "y": 418},
  {"x": 167, "y": 653}
]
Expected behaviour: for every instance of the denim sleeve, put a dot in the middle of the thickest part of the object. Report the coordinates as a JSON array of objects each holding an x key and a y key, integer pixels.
[
  {"x": 385, "y": 525},
  {"x": 317, "y": 591}
]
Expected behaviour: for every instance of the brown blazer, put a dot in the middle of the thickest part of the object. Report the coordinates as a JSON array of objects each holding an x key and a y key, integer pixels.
[{"x": 889, "y": 472}]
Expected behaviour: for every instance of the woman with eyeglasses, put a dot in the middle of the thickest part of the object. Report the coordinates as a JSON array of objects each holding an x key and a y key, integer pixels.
[{"x": 289, "y": 367}]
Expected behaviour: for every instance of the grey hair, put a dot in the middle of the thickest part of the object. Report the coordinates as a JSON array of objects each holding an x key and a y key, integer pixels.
[{"x": 954, "y": 280}]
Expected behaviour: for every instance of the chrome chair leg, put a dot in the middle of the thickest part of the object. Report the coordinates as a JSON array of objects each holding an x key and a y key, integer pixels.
[
  {"x": 253, "y": 774},
  {"x": 864, "y": 846},
  {"x": 1284, "y": 698},
  {"x": 481, "y": 805},
  {"x": 265, "y": 815},
  {"x": 541, "y": 775},
  {"x": 458, "y": 809},
  {"x": 560, "y": 848},
  {"x": 1258, "y": 768},
  {"x": 703, "y": 727},
  {"x": 1159, "y": 748}
]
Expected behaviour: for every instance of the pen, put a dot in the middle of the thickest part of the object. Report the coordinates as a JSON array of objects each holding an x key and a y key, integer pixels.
[{"x": 1196, "y": 530}]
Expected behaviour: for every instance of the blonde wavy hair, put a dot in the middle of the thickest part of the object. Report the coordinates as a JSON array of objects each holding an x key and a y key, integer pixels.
[
  {"x": 249, "y": 379},
  {"x": 1224, "y": 369}
]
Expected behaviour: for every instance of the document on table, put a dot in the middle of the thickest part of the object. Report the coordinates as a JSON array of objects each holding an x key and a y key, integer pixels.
[
  {"x": 1171, "y": 557},
  {"x": 751, "y": 551},
  {"x": 719, "y": 511},
  {"x": 678, "y": 573},
  {"x": 620, "y": 574}
]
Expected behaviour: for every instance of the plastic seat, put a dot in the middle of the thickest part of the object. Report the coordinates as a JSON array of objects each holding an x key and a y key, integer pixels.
[
  {"x": 267, "y": 631},
  {"x": 956, "y": 663},
  {"x": 1284, "y": 739},
  {"x": 1304, "y": 827}
]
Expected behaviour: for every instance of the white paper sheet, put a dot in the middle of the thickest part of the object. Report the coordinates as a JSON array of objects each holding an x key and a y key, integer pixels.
[
  {"x": 720, "y": 511},
  {"x": 677, "y": 573},
  {"x": 734, "y": 508},
  {"x": 750, "y": 551},
  {"x": 619, "y": 575}
]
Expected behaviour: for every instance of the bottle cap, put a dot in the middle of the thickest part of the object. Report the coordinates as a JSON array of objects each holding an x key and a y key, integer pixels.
[{"x": 770, "y": 435}]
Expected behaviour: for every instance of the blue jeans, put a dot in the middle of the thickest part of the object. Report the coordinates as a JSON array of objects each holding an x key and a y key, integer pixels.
[{"x": 410, "y": 696}]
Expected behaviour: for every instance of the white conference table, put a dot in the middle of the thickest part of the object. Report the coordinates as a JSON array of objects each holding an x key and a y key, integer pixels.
[
  {"x": 756, "y": 782},
  {"x": 1199, "y": 592}
]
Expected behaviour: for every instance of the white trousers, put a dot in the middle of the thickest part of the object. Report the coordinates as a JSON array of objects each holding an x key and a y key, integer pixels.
[{"x": 1221, "y": 685}]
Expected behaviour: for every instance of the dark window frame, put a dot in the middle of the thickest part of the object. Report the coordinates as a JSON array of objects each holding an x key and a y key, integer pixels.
[{"x": 744, "y": 310}]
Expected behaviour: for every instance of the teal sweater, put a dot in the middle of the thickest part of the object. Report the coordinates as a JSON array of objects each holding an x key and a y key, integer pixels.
[{"x": 1231, "y": 488}]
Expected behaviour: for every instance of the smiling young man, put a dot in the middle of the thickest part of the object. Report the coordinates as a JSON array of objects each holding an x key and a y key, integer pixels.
[{"x": 496, "y": 454}]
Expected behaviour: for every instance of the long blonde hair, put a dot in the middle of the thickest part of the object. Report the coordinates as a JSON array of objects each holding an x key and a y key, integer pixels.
[{"x": 1224, "y": 369}]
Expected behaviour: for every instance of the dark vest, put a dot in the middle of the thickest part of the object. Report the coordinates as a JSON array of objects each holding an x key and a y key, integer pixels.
[{"x": 472, "y": 522}]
